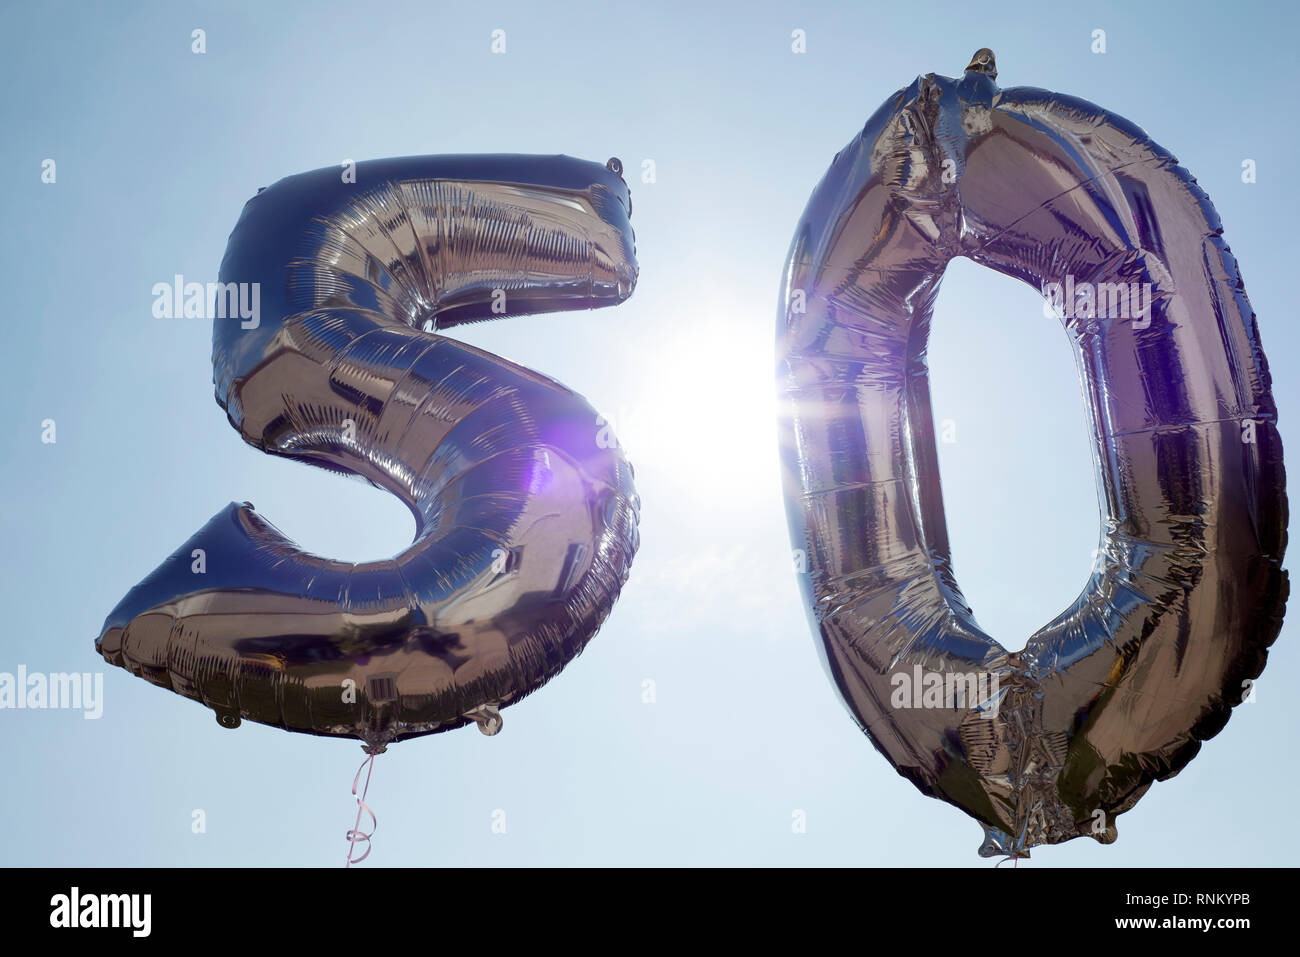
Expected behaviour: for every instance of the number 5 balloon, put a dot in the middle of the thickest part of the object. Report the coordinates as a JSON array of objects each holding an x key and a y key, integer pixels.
[
  {"x": 1188, "y": 592},
  {"x": 526, "y": 526}
]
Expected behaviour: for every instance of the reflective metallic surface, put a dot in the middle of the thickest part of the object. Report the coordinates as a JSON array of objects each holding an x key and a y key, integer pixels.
[
  {"x": 1188, "y": 591},
  {"x": 526, "y": 525}
]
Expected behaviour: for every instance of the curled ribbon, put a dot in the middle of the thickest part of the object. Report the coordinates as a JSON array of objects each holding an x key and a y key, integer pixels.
[{"x": 356, "y": 834}]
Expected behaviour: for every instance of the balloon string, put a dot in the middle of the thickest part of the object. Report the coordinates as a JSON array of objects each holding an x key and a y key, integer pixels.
[{"x": 356, "y": 834}]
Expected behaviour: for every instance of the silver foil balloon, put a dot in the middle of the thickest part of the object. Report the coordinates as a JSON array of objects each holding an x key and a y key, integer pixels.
[
  {"x": 1188, "y": 591},
  {"x": 526, "y": 524}
]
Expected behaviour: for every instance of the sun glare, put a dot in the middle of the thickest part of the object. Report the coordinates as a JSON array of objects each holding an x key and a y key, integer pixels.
[{"x": 704, "y": 413}]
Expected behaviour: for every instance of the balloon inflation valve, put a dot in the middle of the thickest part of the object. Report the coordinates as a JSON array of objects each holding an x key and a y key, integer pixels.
[
  {"x": 998, "y": 843},
  {"x": 487, "y": 717},
  {"x": 984, "y": 62}
]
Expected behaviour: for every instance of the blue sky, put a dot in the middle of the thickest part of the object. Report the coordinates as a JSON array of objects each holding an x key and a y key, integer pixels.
[{"x": 157, "y": 148}]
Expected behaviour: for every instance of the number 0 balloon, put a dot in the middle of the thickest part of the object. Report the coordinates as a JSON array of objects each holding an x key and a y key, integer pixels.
[
  {"x": 526, "y": 527},
  {"x": 1187, "y": 593}
]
